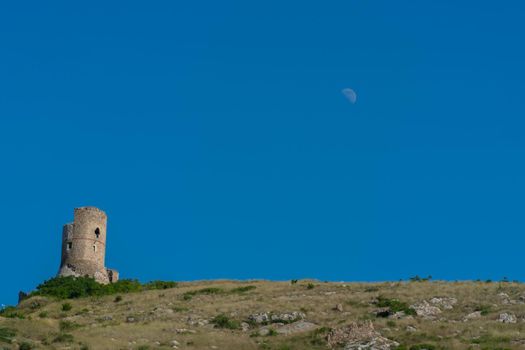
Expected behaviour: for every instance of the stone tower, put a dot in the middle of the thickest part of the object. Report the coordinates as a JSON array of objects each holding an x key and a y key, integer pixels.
[{"x": 84, "y": 246}]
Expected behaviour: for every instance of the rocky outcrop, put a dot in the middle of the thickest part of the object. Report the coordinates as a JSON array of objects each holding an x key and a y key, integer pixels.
[
  {"x": 507, "y": 318},
  {"x": 425, "y": 310},
  {"x": 359, "y": 336}
]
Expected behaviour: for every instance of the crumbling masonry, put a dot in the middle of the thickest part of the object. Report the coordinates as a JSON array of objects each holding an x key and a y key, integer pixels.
[{"x": 84, "y": 246}]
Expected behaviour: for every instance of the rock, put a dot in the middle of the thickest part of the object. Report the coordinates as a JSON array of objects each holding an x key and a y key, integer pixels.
[
  {"x": 174, "y": 342},
  {"x": 359, "y": 336},
  {"x": 296, "y": 327},
  {"x": 398, "y": 315},
  {"x": 22, "y": 296},
  {"x": 472, "y": 316},
  {"x": 444, "y": 302},
  {"x": 507, "y": 318},
  {"x": 184, "y": 331},
  {"x": 264, "y": 331},
  {"x": 287, "y": 317},
  {"x": 260, "y": 318},
  {"x": 245, "y": 326},
  {"x": 194, "y": 320},
  {"x": 339, "y": 307},
  {"x": 382, "y": 312},
  {"x": 505, "y": 299},
  {"x": 266, "y": 317},
  {"x": 130, "y": 319},
  {"x": 411, "y": 329},
  {"x": 425, "y": 310}
]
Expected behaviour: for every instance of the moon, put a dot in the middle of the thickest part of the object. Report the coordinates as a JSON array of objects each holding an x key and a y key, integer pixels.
[{"x": 350, "y": 95}]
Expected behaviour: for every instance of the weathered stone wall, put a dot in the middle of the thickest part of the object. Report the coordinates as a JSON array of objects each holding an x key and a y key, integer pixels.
[{"x": 84, "y": 245}]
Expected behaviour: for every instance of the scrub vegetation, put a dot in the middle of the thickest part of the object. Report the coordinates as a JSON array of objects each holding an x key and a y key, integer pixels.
[{"x": 412, "y": 315}]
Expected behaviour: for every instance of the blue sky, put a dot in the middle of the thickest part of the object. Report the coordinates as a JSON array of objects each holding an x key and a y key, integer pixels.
[{"x": 216, "y": 137}]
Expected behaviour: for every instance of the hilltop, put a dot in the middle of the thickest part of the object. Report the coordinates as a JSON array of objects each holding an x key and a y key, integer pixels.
[{"x": 303, "y": 314}]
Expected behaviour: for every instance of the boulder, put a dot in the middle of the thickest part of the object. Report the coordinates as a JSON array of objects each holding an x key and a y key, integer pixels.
[
  {"x": 507, "y": 318},
  {"x": 359, "y": 336},
  {"x": 444, "y": 302},
  {"x": 472, "y": 316},
  {"x": 425, "y": 310}
]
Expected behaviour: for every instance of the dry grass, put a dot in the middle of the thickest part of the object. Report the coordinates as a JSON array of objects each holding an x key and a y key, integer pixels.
[{"x": 151, "y": 319}]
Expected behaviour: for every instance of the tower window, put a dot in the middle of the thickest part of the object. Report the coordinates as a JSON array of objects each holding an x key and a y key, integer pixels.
[
  {"x": 94, "y": 248},
  {"x": 69, "y": 245},
  {"x": 97, "y": 232}
]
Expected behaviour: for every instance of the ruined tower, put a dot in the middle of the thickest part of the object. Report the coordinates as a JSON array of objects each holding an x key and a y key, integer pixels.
[{"x": 84, "y": 246}]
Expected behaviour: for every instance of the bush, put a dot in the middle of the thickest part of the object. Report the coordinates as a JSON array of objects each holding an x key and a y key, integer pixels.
[
  {"x": 395, "y": 305},
  {"x": 416, "y": 278},
  {"x": 78, "y": 287},
  {"x": 294, "y": 281},
  {"x": 6, "y": 334},
  {"x": 66, "y": 307},
  {"x": 319, "y": 335},
  {"x": 118, "y": 298},
  {"x": 272, "y": 332},
  {"x": 483, "y": 309},
  {"x": 243, "y": 289},
  {"x": 43, "y": 314},
  {"x": 11, "y": 312},
  {"x": 423, "y": 347},
  {"x": 391, "y": 323},
  {"x": 25, "y": 346},
  {"x": 63, "y": 338},
  {"x": 223, "y": 321},
  {"x": 67, "y": 325},
  {"x": 160, "y": 285},
  {"x": 310, "y": 286}
]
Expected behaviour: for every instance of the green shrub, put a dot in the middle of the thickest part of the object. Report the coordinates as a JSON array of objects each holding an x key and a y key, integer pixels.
[
  {"x": 122, "y": 286},
  {"x": 294, "y": 281},
  {"x": 318, "y": 336},
  {"x": 6, "y": 334},
  {"x": 11, "y": 312},
  {"x": 484, "y": 309},
  {"x": 25, "y": 346},
  {"x": 67, "y": 325},
  {"x": 43, "y": 314},
  {"x": 310, "y": 286},
  {"x": 64, "y": 338},
  {"x": 223, "y": 321},
  {"x": 78, "y": 287},
  {"x": 416, "y": 278},
  {"x": 395, "y": 305},
  {"x": 242, "y": 289},
  {"x": 66, "y": 307},
  {"x": 423, "y": 347},
  {"x": 160, "y": 285},
  {"x": 271, "y": 332},
  {"x": 118, "y": 298}
]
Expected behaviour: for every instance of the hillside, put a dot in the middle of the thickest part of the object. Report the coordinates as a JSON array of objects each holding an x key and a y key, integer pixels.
[{"x": 277, "y": 315}]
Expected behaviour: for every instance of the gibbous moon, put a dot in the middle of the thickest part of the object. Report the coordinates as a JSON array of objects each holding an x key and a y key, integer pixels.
[{"x": 350, "y": 95}]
